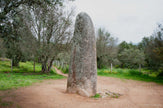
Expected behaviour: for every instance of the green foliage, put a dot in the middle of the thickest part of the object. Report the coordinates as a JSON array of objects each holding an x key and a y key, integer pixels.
[
  {"x": 153, "y": 49},
  {"x": 22, "y": 75},
  {"x": 119, "y": 70},
  {"x": 10, "y": 6},
  {"x": 26, "y": 67},
  {"x": 66, "y": 69},
  {"x": 97, "y": 95},
  {"x": 5, "y": 103},
  {"x": 135, "y": 72},
  {"x": 10, "y": 33},
  {"x": 130, "y": 56},
  {"x": 124, "y": 45},
  {"x": 15, "y": 80},
  {"x": 106, "y": 49},
  {"x": 21, "y": 19}
]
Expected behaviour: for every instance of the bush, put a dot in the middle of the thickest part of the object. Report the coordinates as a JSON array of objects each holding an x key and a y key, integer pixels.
[
  {"x": 119, "y": 71},
  {"x": 106, "y": 71},
  {"x": 66, "y": 69},
  {"x": 134, "y": 72}
]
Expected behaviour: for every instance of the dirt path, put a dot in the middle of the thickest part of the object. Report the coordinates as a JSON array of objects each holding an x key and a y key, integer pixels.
[
  {"x": 59, "y": 72},
  {"x": 51, "y": 94}
]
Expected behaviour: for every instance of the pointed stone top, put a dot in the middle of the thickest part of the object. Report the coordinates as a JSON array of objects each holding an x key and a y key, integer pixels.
[
  {"x": 84, "y": 25},
  {"x": 84, "y": 16}
]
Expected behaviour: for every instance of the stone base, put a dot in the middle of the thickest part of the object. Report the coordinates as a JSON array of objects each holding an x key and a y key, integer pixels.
[{"x": 81, "y": 91}]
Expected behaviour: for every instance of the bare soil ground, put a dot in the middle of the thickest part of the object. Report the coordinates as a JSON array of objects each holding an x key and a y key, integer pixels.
[
  {"x": 51, "y": 94},
  {"x": 59, "y": 72}
]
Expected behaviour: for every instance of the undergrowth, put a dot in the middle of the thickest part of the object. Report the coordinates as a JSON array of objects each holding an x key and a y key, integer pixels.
[
  {"x": 23, "y": 75},
  {"x": 97, "y": 95},
  {"x": 130, "y": 74}
]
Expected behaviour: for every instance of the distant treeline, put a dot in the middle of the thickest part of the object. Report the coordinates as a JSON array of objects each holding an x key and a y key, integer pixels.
[
  {"x": 148, "y": 53},
  {"x": 41, "y": 31}
]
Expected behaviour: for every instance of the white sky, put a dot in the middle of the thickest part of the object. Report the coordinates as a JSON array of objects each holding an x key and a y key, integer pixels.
[{"x": 129, "y": 20}]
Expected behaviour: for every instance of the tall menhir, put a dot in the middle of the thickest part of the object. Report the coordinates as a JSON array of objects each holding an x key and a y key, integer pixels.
[{"x": 82, "y": 77}]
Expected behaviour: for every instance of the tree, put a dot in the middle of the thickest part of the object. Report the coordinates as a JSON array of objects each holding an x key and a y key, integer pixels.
[
  {"x": 11, "y": 39},
  {"x": 158, "y": 49},
  {"x": 10, "y": 23},
  {"x": 50, "y": 26},
  {"x": 124, "y": 45},
  {"x": 9, "y": 7},
  {"x": 131, "y": 58},
  {"x": 153, "y": 49},
  {"x": 14, "y": 25},
  {"x": 2, "y": 48},
  {"x": 106, "y": 49}
]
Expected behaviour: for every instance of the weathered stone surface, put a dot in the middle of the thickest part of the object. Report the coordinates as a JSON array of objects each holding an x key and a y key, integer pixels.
[{"x": 82, "y": 77}]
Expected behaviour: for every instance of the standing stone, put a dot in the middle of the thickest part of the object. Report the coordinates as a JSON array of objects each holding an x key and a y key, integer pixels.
[{"x": 82, "y": 77}]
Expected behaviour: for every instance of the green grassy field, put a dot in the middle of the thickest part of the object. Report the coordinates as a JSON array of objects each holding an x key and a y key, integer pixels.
[
  {"x": 5, "y": 66},
  {"x": 22, "y": 75},
  {"x": 134, "y": 74},
  {"x": 145, "y": 75}
]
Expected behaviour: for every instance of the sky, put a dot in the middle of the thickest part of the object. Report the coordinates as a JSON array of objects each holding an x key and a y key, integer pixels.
[{"x": 128, "y": 20}]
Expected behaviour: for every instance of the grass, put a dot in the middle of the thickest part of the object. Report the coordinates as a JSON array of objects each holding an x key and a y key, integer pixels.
[
  {"x": 15, "y": 80},
  {"x": 4, "y": 103},
  {"x": 5, "y": 66},
  {"x": 97, "y": 95},
  {"x": 131, "y": 74},
  {"x": 134, "y": 74},
  {"x": 23, "y": 75}
]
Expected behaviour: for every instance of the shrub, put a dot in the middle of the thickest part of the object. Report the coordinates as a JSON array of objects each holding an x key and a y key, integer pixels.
[
  {"x": 134, "y": 72},
  {"x": 106, "y": 71},
  {"x": 119, "y": 71},
  {"x": 66, "y": 69}
]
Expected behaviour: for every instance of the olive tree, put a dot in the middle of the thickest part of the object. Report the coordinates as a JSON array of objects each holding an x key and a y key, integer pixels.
[
  {"x": 106, "y": 49},
  {"x": 132, "y": 57},
  {"x": 50, "y": 26}
]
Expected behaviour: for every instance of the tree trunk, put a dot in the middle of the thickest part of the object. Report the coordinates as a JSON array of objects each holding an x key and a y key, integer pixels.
[
  {"x": 11, "y": 66},
  {"x": 111, "y": 67},
  {"x": 99, "y": 63},
  {"x": 50, "y": 64},
  {"x": 15, "y": 62},
  {"x": 44, "y": 69},
  {"x": 139, "y": 67},
  {"x": 34, "y": 65}
]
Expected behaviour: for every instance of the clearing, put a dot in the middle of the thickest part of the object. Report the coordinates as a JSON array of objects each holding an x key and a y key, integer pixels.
[{"x": 51, "y": 94}]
